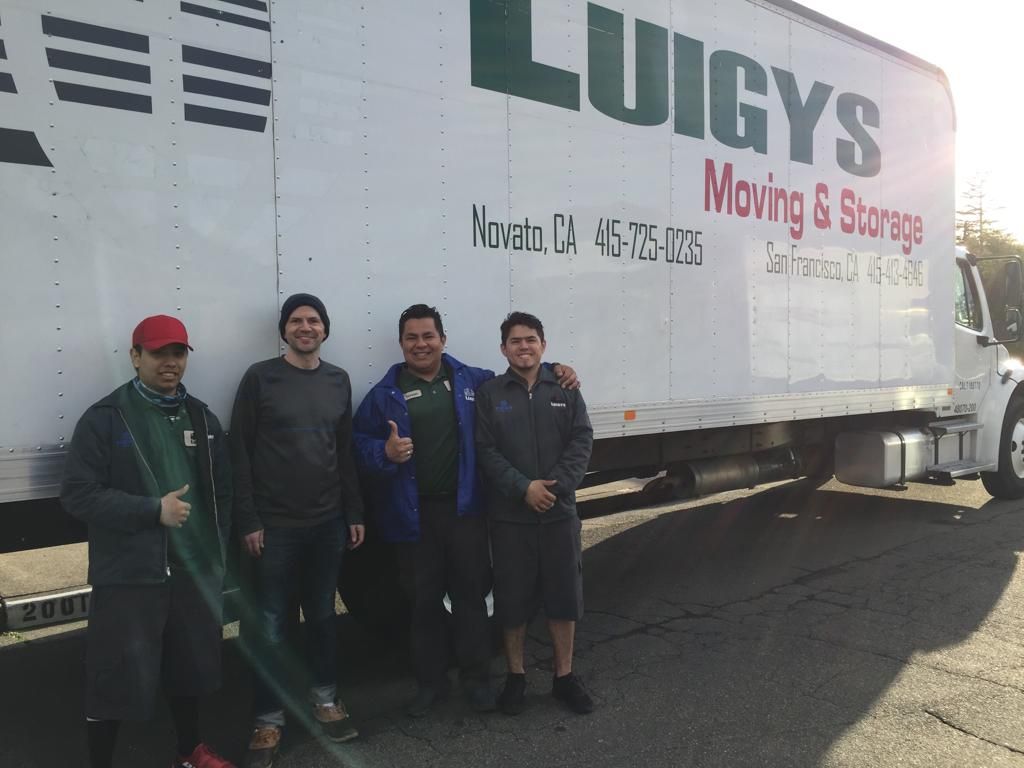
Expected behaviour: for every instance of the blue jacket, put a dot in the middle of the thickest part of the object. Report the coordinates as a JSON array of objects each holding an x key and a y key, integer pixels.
[{"x": 392, "y": 487}]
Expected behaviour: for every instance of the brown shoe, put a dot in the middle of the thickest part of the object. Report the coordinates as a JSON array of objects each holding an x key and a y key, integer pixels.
[
  {"x": 263, "y": 746},
  {"x": 335, "y": 722}
]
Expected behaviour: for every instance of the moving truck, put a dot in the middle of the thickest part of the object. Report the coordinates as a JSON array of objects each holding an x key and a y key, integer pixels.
[{"x": 736, "y": 220}]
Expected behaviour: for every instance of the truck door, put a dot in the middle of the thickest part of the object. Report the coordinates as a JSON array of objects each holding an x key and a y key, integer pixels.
[{"x": 974, "y": 361}]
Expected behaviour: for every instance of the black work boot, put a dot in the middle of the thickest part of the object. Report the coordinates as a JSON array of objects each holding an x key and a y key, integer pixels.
[{"x": 512, "y": 699}]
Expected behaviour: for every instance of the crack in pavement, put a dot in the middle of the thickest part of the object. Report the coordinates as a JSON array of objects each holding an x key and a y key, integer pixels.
[{"x": 970, "y": 733}]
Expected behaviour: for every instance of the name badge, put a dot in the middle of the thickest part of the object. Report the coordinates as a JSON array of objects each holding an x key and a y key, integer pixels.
[
  {"x": 190, "y": 438},
  {"x": 448, "y": 385},
  {"x": 413, "y": 394}
]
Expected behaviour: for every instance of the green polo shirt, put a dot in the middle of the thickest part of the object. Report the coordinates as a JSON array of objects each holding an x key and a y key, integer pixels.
[
  {"x": 170, "y": 445},
  {"x": 434, "y": 431}
]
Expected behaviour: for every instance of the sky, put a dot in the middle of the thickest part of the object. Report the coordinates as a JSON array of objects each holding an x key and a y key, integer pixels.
[{"x": 978, "y": 45}]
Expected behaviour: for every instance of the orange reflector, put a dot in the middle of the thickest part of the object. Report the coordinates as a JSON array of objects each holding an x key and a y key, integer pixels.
[
  {"x": 949, "y": 391},
  {"x": 629, "y": 416}
]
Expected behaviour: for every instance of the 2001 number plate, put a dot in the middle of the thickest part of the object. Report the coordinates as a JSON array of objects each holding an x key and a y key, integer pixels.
[{"x": 42, "y": 610}]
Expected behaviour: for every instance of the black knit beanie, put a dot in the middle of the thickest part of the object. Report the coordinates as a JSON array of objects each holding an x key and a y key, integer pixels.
[{"x": 297, "y": 300}]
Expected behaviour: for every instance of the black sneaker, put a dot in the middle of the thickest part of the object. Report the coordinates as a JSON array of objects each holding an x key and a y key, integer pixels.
[
  {"x": 512, "y": 699},
  {"x": 569, "y": 690}
]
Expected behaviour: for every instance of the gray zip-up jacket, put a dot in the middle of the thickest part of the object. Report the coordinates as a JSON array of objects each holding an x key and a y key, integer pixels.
[
  {"x": 104, "y": 487},
  {"x": 524, "y": 435}
]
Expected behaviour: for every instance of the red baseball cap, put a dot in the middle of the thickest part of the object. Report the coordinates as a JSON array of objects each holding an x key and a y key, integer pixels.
[{"x": 159, "y": 331}]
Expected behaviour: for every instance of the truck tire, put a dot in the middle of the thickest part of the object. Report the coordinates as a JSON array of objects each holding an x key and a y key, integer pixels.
[{"x": 1007, "y": 482}]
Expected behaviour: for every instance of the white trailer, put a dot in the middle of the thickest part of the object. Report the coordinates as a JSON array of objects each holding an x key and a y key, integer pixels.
[{"x": 735, "y": 219}]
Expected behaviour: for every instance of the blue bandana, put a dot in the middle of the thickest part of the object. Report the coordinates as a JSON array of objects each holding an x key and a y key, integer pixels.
[{"x": 158, "y": 399}]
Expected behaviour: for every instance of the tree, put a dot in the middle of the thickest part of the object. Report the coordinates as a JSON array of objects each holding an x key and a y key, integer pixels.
[{"x": 979, "y": 234}]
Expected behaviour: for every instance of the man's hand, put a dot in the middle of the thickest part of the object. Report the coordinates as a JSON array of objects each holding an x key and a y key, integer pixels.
[
  {"x": 356, "y": 534},
  {"x": 566, "y": 376},
  {"x": 173, "y": 511},
  {"x": 538, "y": 497},
  {"x": 398, "y": 449},
  {"x": 254, "y": 543}
]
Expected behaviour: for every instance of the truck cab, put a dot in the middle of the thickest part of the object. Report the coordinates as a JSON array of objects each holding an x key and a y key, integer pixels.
[{"x": 981, "y": 431}]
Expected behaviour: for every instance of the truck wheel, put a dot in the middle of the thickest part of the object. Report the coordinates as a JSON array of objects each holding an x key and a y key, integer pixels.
[{"x": 1007, "y": 482}]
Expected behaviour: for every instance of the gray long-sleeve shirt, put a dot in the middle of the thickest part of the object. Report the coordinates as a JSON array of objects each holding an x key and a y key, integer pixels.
[
  {"x": 291, "y": 440},
  {"x": 524, "y": 435}
]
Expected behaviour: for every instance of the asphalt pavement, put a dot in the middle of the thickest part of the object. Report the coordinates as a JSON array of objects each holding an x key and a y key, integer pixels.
[{"x": 787, "y": 627}]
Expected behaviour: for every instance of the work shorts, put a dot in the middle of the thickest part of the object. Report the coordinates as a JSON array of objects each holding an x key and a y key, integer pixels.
[
  {"x": 537, "y": 565},
  {"x": 140, "y": 637}
]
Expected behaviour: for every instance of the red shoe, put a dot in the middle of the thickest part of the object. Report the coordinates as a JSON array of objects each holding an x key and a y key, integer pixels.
[{"x": 203, "y": 757}]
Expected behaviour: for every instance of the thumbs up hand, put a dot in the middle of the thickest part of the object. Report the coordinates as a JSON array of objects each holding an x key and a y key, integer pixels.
[
  {"x": 173, "y": 511},
  {"x": 398, "y": 449}
]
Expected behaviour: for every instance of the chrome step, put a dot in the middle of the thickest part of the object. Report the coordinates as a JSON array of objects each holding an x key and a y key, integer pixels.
[
  {"x": 954, "y": 469},
  {"x": 954, "y": 427}
]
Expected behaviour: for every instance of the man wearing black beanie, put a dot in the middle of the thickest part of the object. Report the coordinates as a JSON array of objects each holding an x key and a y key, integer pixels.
[
  {"x": 299, "y": 506},
  {"x": 297, "y": 300}
]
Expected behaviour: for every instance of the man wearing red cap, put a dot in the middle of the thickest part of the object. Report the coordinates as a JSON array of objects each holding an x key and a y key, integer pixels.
[{"x": 148, "y": 471}]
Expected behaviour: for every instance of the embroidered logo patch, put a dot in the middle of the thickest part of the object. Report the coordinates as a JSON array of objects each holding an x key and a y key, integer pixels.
[
  {"x": 556, "y": 404},
  {"x": 503, "y": 407},
  {"x": 469, "y": 395},
  {"x": 124, "y": 441}
]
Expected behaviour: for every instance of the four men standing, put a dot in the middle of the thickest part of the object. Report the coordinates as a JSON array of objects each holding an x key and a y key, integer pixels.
[{"x": 157, "y": 547}]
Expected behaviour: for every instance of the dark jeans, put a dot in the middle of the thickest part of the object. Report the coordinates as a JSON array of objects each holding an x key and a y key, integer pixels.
[
  {"x": 303, "y": 561},
  {"x": 452, "y": 556}
]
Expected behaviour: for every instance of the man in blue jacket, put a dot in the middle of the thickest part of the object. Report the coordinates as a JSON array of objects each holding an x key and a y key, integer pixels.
[
  {"x": 148, "y": 472},
  {"x": 414, "y": 442}
]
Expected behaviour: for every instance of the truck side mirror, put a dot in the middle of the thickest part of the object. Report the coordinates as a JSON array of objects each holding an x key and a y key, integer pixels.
[
  {"x": 1013, "y": 284},
  {"x": 1013, "y": 325}
]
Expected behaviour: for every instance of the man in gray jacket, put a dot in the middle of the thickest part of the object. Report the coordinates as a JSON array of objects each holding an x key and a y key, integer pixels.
[{"x": 533, "y": 445}]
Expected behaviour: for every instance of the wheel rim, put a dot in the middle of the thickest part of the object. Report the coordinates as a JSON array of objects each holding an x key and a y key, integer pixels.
[{"x": 1017, "y": 448}]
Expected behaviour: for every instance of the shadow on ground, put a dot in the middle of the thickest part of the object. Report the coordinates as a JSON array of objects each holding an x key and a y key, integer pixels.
[{"x": 760, "y": 632}]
